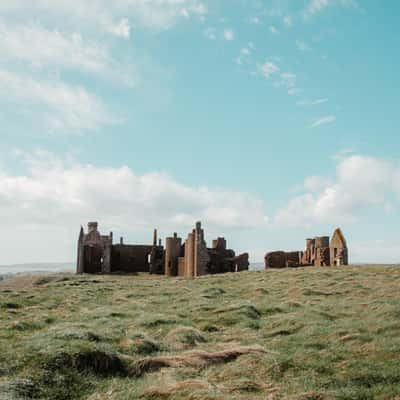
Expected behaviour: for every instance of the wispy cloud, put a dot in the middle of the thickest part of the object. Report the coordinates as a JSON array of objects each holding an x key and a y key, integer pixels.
[
  {"x": 288, "y": 20},
  {"x": 329, "y": 119},
  {"x": 316, "y": 6},
  {"x": 273, "y": 30},
  {"x": 255, "y": 20},
  {"x": 61, "y": 107},
  {"x": 245, "y": 54},
  {"x": 121, "y": 28},
  {"x": 308, "y": 103},
  {"x": 43, "y": 48},
  {"x": 113, "y": 17},
  {"x": 302, "y": 45},
  {"x": 294, "y": 91},
  {"x": 229, "y": 34},
  {"x": 268, "y": 69},
  {"x": 210, "y": 33},
  {"x": 288, "y": 79}
]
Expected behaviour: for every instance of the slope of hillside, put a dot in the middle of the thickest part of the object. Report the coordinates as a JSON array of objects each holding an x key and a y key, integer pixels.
[{"x": 308, "y": 334}]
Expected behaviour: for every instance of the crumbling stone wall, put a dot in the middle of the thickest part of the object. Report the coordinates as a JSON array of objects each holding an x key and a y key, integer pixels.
[
  {"x": 131, "y": 258},
  {"x": 281, "y": 259},
  {"x": 275, "y": 259},
  {"x": 241, "y": 262},
  {"x": 293, "y": 259},
  {"x": 97, "y": 253},
  {"x": 319, "y": 251}
]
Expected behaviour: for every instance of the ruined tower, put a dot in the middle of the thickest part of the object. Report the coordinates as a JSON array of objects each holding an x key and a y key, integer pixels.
[{"x": 322, "y": 254}]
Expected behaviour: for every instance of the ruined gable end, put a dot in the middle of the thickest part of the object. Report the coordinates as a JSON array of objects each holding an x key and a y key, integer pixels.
[{"x": 338, "y": 249}]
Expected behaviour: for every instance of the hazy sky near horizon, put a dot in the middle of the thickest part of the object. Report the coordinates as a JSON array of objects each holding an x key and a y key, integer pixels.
[{"x": 270, "y": 121}]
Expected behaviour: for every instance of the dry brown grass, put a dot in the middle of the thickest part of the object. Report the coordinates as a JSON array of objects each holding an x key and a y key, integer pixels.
[
  {"x": 197, "y": 359},
  {"x": 171, "y": 390}
]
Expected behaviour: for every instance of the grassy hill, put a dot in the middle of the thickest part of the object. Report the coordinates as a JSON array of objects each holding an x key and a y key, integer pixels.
[{"x": 309, "y": 334}]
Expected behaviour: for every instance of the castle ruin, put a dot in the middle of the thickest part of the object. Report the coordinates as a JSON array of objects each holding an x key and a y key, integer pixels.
[
  {"x": 98, "y": 254},
  {"x": 319, "y": 252}
]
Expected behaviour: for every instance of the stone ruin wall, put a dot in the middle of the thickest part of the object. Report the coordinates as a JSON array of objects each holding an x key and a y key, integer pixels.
[
  {"x": 319, "y": 251},
  {"x": 98, "y": 254}
]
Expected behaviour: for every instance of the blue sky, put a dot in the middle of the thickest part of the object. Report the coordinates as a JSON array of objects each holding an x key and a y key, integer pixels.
[{"x": 270, "y": 121}]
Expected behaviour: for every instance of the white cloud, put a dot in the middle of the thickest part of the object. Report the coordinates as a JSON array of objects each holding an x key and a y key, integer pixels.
[
  {"x": 55, "y": 193},
  {"x": 329, "y": 119},
  {"x": 103, "y": 14},
  {"x": 255, "y": 20},
  {"x": 316, "y": 183},
  {"x": 316, "y": 6},
  {"x": 43, "y": 48},
  {"x": 308, "y": 103},
  {"x": 229, "y": 34},
  {"x": 302, "y": 45},
  {"x": 121, "y": 29},
  {"x": 62, "y": 107},
  {"x": 245, "y": 54},
  {"x": 288, "y": 20},
  {"x": 361, "y": 182},
  {"x": 273, "y": 30},
  {"x": 288, "y": 80},
  {"x": 294, "y": 91},
  {"x": 210, "y": 33},
  {"x": 268, "y": 69}
]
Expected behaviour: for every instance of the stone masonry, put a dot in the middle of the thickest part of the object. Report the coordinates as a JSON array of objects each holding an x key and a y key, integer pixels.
[
  {"x": 319, "y": 252},
  {"x": 98, "y": 254}
]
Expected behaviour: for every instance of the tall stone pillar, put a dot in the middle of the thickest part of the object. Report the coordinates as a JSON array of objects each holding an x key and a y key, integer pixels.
[
  {"x": 201, "y": 256},
  {"x": 172, "y": 253},
  {"x": 189, "y": 255},
  {"x": 80, "y": 267},
  {"x": 155, "y": 237}
]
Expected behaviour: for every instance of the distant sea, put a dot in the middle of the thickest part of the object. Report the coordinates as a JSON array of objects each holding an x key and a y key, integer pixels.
[
  {"x": 256, "y": 266},
  {"x": 8, "y": 271}
]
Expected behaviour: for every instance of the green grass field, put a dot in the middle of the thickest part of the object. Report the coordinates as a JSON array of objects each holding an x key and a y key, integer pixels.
[{"x": 309, "y": 334}]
